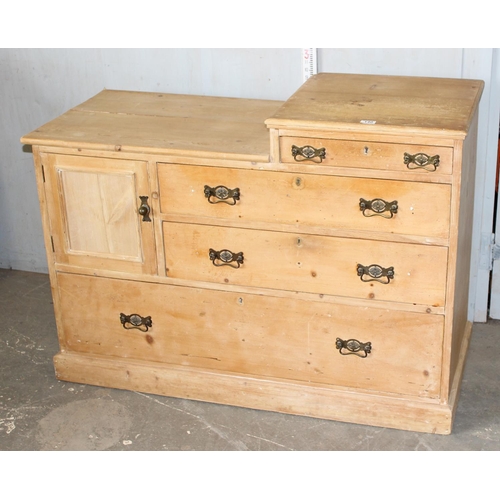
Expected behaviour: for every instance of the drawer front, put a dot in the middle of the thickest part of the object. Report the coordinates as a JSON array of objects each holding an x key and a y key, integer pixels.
[
  {"x": 254, "y": 335},
  {"x": 409, "y": 208},
  {"x": 378, "y": 155},
  {"x": 308, "y": 263}
]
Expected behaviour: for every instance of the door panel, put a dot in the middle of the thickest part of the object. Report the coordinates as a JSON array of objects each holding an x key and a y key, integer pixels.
[
  {"x": 108, "y": 225},
  {"x": 93, "y": 206}
]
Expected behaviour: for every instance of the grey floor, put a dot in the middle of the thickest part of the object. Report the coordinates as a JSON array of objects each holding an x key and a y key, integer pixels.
[{"x": 38, "y": 412}]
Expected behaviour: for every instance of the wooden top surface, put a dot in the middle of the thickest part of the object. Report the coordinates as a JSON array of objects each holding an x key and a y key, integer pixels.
[
  {"x": 437, "y": 106},
  {"x": 231, "y": 128},
  {"x": 214, "y": 127}
]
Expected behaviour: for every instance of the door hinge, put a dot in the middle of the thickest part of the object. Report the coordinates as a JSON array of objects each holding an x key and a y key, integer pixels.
[
  {"x": 495, "y": 252},
  {"x": 486, "y": 251},
  {"x": 52, "y": 241},
  {"x": 43, "y": 173},
  {"x": 489, "y": 251}
]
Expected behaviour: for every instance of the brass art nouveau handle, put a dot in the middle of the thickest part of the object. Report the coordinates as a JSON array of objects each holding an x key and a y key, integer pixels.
[
  {"x": 225, "y": 258},
  {"x": 375, "y": 272},
  {"x": 377, "y": 206},
  {"x": 421, "y": 160},
  {"x": 132, "y": 321},
  {"x": 353, "y": 346},
  {"x": 222, "y": 194},
  {"x": 144, "y": 209},
  {"x": 308, "y": 153}
]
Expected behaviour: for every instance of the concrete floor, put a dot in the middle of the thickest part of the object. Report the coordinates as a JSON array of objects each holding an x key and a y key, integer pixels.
[{"x": 38, "y": 412}]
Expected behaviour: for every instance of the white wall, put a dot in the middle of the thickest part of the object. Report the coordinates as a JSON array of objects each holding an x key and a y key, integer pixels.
[
  {"x": 37, "y": 85},
  {"x": 251, "y": 73}
]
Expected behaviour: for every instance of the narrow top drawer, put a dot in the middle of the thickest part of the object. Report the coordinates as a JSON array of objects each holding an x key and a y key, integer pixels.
[{"x": 371, "y": 155}]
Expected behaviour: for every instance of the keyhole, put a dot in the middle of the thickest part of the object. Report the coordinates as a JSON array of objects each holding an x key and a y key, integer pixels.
[
  {"x": 366, "y": 150},
  {"x": 298, "y": 183}
]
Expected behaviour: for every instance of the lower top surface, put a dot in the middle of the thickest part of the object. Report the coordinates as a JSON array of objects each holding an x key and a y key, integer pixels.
[{"x": 216, "y": 127}]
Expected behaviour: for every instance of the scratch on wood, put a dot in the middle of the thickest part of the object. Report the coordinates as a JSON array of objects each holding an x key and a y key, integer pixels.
[{"x": 204, "y": 357}]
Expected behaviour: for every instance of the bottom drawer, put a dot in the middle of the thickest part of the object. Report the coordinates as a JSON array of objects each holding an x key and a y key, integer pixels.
[{"x": 251, "y": 334}]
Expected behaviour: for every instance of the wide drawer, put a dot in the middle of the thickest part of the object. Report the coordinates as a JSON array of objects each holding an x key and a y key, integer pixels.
[
  {"x": 308, "y": 263},
  {"x": 371, "y": 155},
  {"x": 323, "y": 202},
  {"x": 254, "y": 335}
]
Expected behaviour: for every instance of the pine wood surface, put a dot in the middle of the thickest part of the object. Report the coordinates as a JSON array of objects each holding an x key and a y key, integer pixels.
[
  {"x": 308, "y": 263},
  {"x": 254, "y": 335},
  {"x": 459, "y": 276},
  {"x": 214, "y": 127},
  {"x": 263, "y": 335},
  {"x": 264, "y": 292},
  {"x": 93, "y": 205},
  {"x": 367, "y": 154},
  {"x": 261, "y": 393},
  {"x": 398, "y": 104},
  {"x": 306, "y": 201}
]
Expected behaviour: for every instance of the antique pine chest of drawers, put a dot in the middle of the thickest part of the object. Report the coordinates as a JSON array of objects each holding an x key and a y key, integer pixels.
[{"x": 308, "y": 256}]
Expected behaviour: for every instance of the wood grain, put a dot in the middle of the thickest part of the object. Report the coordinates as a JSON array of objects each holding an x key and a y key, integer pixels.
[
  {"x": 265, "y": 335},
  {"x": 308, "y": 263},
  {"x": 93, "y": 205},
  {"x": 260, "y": 393},
  {"x": 368, "y": 155},
  {"x": 253, "y": 335},
  {"x": 135, "y": 122},
  {"x": 398, "y": 104},
  {"x": 306, "y": 201}
]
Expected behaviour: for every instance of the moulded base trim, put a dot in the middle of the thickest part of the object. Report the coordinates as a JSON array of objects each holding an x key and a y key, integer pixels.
[{"x": 256, "y": 393}]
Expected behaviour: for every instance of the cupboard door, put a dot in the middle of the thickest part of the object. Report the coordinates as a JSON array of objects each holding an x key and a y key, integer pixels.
[{"x": 95, "y": 208}]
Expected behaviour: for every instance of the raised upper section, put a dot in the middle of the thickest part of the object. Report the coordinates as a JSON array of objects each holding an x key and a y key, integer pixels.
[{"x": 381, "y": 104}]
